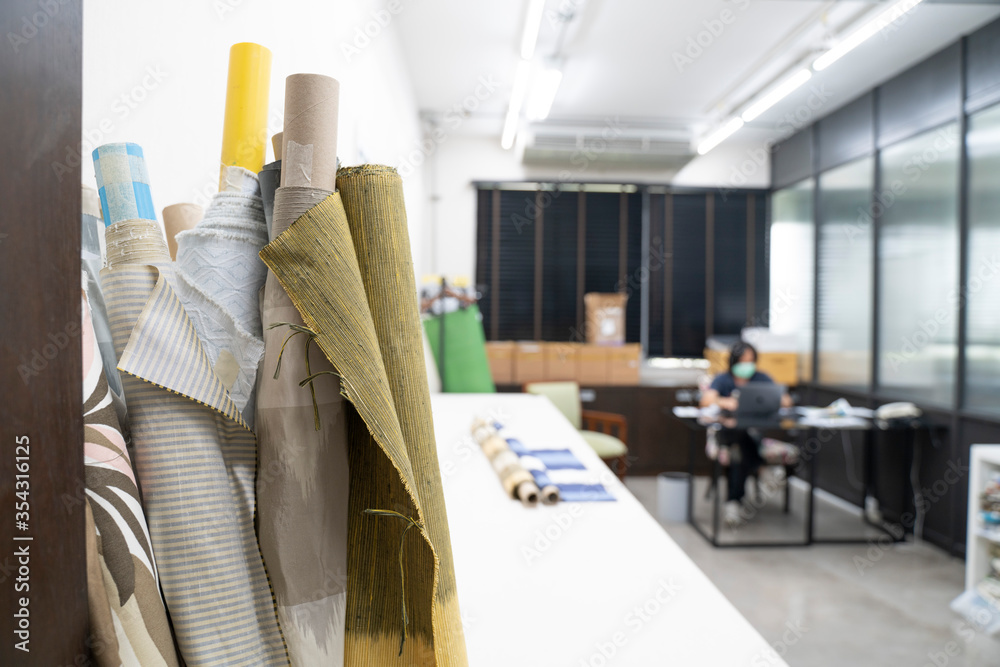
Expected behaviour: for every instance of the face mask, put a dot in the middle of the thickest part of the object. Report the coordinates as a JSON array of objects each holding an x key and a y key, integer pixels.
[{"x": 744, "y": 369}]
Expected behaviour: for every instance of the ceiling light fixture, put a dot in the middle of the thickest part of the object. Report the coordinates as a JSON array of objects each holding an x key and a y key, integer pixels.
[
  {"x": 517, "y": 95},
  {"x": 776, "y": 94},
  {"x": 544, "y": 86},
  {"x": 532, "y": 24},
  {"x": 720, "y": 135},
  {"x": 849, "y": 43}
]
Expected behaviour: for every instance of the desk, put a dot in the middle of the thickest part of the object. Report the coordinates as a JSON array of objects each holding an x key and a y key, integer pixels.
[
  {"x": 571, "y": 584},
  {"x": 788, "y": 422}
]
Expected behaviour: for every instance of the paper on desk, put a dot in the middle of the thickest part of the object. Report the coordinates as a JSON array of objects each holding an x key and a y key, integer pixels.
[{"x": 826, "y": 421}]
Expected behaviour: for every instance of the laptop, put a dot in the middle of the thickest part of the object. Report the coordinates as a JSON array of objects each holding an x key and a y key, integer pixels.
[{"x": 759, "y": 402}]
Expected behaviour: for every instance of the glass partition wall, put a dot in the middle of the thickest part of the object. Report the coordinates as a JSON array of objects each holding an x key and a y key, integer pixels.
[
  {"x": 982, "y": 281},
  {"x": 846, "y": 233},
  {"x": 917, "y": 203},
  {"x": 900, "y": 243},
  {"x": 792, "y": 269}
]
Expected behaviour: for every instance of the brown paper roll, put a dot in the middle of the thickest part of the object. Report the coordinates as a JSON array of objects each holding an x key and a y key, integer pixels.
[
  {"x": 309, "y": 139},
  {"x": 276, "y": 144},
  {"x": 178, "y": 218}
]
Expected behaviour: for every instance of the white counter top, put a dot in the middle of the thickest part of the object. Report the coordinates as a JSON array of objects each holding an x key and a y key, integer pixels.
[{"x": 574, "y": 584}]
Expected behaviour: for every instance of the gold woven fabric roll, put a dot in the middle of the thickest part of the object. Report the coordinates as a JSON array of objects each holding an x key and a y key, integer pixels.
[
  {"x": 394, "y": 525},
  {"x": 376, "y": 213}
]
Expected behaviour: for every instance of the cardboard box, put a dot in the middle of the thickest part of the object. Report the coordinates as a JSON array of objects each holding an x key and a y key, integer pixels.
[
  {"x": 623, "y": 364},
  {"x": 605, "y": 318},
  {"x": 501, "y": 357},
  {"x": 718, "y": 361},
  {"x": 529, "y": 362},
  {"x": 592, "y": 364},
  {"x": 781, "y": 366},
  {"x": 561, "y": 361}
]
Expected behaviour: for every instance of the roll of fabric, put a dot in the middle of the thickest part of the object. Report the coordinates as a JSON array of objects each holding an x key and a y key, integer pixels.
[
  {"x": 195, "y": 458},
  {"x": 244, "y": 133},
  {"x": 517, "y": 481},
  {"x": 269, "y": 178},
  {"x": 401, "y": 606},
  {"x": 123, "y": 183},
  {"x": 376, "y": 213},
  {"x": 178, "y": 218},
  {"x": 218, "y": 277},
  {"x": 302, "y": 490},
  {"x": 92, "y": 252},
  {"x": 303, "y": 487},
  {"x": 134, "y": 631}
]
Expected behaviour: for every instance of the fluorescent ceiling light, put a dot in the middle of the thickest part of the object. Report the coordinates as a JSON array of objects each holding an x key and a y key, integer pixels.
[
  {"x": 720, "y": 135},
  {"x": 880, "y": 22},
  {"x": 532, "y": 23},
  {"x": 516, "y": 101},
  {"x": 544, "y": 85},
  {"x": 776, "y": 94}
]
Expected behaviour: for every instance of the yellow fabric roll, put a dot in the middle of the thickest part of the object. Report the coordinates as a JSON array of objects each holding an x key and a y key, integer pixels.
[
  {"x": 395, "y": 482},
  {"x": 376, "y": 213}
]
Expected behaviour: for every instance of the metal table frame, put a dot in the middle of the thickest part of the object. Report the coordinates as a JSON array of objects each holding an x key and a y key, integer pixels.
[{"x": 696, "y": 425}]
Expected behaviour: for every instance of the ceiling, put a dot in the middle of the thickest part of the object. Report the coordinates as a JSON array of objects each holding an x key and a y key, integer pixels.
[{"x": 628, "y": 59}]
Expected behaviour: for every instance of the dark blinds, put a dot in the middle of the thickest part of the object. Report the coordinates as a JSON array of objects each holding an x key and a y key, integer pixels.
[
  {"x": 531, "y": 266},
  {"x": 517, "y": 266},
  {"x": 634, "y": 278},
  {"x": 689, "y": 275},
  {"x": 730, "y": 265},
  {"x": 762, "y": 263},
  {"x": 657, "y": 270},
  {"x": 559, "y": 316},
  {"x": 484, "y": 255}
]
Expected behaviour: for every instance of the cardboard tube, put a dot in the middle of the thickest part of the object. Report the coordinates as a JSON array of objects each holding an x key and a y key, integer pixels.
[
  {"x": 309, "y": 140},
  {"x": 276, "y": 145},
  {"x": 527, "y": 493},
  {"x": 550, "y": 494},
  {"x": 244, "y": 133},
  {"x": 178, "y": 218}
]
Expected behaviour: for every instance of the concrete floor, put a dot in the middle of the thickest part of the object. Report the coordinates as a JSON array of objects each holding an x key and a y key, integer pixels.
[{"x": 860, "y": 605}]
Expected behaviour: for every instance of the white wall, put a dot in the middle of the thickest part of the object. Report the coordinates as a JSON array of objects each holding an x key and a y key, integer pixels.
[{"x": 154, "y": 73}]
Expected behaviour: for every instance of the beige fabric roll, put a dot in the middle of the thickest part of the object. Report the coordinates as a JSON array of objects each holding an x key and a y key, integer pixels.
[
  {"x": 178, "y": 218},
  {"x": 302, "y": 488}
]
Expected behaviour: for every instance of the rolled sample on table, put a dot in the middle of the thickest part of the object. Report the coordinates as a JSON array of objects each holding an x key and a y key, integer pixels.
[
  {"x": 195, "y": 457},
  {"x": 517, "y": 482},
  {"x": 302, "y": 429}
]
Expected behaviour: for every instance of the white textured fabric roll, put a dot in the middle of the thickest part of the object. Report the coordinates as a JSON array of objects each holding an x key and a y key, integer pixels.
[{"x": 218, "y": 279}]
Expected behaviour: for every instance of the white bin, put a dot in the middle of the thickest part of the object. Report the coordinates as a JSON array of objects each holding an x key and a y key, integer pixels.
[{"x": 672, "y": 496}]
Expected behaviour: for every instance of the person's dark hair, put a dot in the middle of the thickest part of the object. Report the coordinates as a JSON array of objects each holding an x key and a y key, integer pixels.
[{"x": 737, "y": 351}]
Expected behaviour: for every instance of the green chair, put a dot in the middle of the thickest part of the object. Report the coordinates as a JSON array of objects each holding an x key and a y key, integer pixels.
[{"x": 605, "y": 432}]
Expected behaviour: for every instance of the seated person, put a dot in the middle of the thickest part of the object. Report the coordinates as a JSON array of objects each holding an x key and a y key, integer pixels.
[{"x": 746, "y": 460}]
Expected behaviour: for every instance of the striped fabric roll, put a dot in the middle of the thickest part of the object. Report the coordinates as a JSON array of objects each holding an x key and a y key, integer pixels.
[
  {"x": 196, "y": 461},
  {"x": 122, "y": 183},
  {"x": 135, "y": 632}
]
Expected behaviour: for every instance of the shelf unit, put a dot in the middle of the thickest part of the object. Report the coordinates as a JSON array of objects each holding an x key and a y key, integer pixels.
[{"x": 984, "y": 460}]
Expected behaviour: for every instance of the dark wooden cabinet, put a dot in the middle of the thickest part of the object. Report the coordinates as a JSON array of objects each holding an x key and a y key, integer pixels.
[{"x": 657, "y": 441}]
